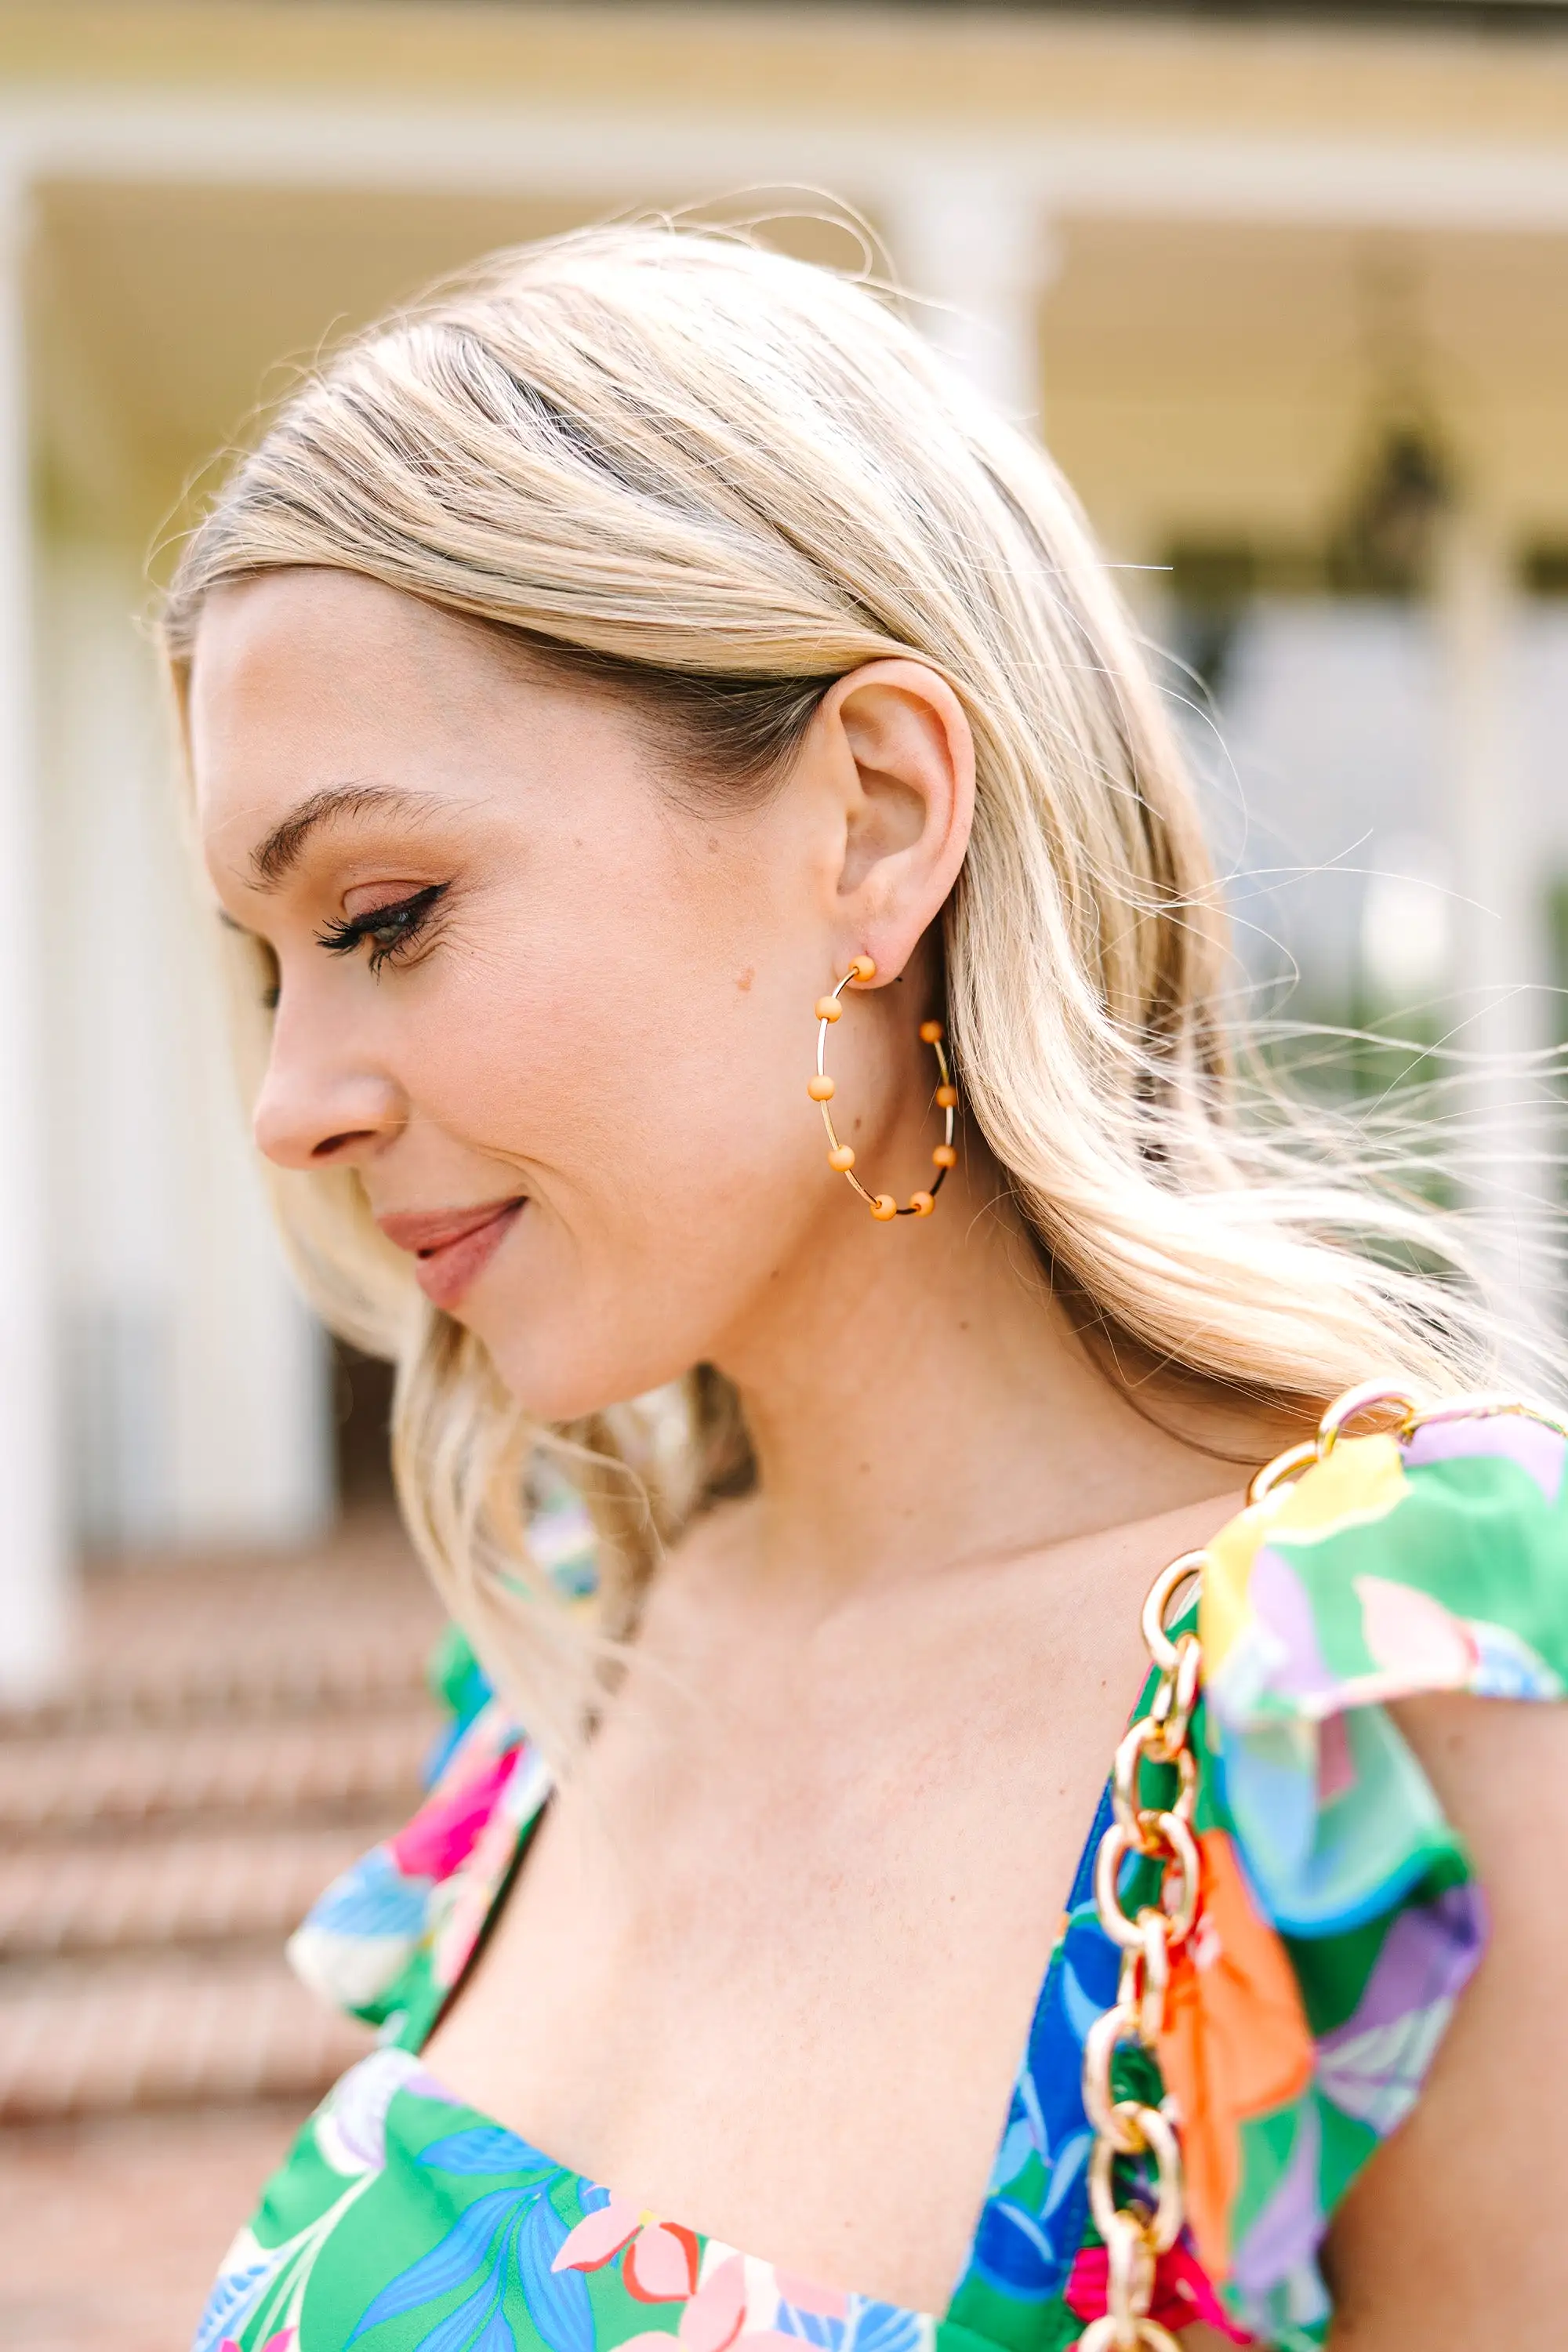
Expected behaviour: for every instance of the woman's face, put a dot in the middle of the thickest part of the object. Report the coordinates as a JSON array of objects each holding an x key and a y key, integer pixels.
[{"x": 554, "y": 1009}]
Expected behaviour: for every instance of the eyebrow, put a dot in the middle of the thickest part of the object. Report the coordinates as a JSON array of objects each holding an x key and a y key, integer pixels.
[{"x": 274, "y": 858}]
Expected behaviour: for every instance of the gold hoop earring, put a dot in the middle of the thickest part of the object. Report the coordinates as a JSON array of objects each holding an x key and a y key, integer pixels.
[{"x": 882, "y": 1205}]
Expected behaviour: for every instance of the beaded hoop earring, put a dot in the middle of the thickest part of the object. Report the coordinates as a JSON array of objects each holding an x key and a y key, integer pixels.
[{"x": 882, "y": 1205}]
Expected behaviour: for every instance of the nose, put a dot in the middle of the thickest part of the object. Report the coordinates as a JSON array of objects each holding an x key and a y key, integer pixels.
[{"x": 310, "y": 1114}]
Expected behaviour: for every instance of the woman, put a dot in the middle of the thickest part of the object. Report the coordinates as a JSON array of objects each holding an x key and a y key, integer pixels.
[{"x": 634, "y": 701}]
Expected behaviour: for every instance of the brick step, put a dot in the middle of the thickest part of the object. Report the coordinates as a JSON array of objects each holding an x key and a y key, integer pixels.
[
  {"x": 180, "y": 2029},
  {"x": 76, "y": 1781},
  {"x": 236, "y": 1732},
  {"x": 192, "y": 1888},
  {"x": 300, "y": 1687},
  {"x": 111, "y": 2227},
  {"x": 349, "y": 1627}
]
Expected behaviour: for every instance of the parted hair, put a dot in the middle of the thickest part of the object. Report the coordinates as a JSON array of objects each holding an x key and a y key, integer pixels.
[{"x": 716, "y": 479}]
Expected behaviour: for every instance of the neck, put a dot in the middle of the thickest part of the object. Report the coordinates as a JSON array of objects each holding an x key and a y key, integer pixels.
[{"x": 916, "y": 1399}]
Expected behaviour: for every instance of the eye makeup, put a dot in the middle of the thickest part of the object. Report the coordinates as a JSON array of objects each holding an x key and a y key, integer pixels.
[{"x": 392, "y": 930}]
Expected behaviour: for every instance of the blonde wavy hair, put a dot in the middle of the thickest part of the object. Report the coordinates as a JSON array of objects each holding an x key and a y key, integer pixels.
[{"x": 717, "y": 479}]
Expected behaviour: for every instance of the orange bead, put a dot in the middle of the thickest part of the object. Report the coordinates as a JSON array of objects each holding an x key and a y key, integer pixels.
[
  {"x": 931, "y": 1033},
  {"x": 883, "y": 1207},
  {"x": 921, "y": 1204},
  {"x": 862, "y": 968},
  {"x": 947, "y": 1098},
  {"x": 820, "y": 1090},
  {"x": 843, "y": 1159},
  {"x": 828, "y": 1008},
  {"x": 944, "y": 1156}
]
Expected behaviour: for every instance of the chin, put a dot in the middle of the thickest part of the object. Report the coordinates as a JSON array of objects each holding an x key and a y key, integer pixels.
[{"x": 552, "y": 1376}]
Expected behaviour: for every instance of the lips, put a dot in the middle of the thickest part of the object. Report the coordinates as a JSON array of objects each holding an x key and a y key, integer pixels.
[{"x": 451, "y": 1247}]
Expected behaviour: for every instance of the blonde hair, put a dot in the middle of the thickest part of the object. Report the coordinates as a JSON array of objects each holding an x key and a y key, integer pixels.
[{"x": 720, "y": 479}]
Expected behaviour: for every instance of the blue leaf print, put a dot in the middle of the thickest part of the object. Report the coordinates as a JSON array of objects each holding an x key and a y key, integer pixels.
[
  {"x": 452, "y": 2262},
  {"x": 498, "y": 2336},
  {"x": 229, "y": 2303},
  {"x": 882, "y": 2327},
  {"x": 457, "y": 2332},
  {"x": 1018, "y": 2144},
  {"x": 1013, "y": 2252},
  {"x": 1079, "y": 2007},
  {"x": 485, "y": 2147},
  {"x": 1072, "y": 2158},
  {"x": 557, "y": 2301},
  {"x": 1028, "y": 2098},
  {"x": 373, "y": 1897},
  {"x": 811, "y": 2326}
]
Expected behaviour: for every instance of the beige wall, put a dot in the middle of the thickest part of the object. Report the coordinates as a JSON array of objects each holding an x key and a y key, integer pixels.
[
  {"x": 1214, "y": 376},
  {"x": 1203, "y": 377},
  {"x": 1007, "y": 68},
  {"x": 1198, "y": 373}
]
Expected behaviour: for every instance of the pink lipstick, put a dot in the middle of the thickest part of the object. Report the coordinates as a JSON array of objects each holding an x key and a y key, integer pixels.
[{"x": 451, "y": 1247}]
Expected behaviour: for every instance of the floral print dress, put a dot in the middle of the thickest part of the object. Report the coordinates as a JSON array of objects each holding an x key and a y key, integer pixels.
[{"x": 1340, "y": 1921}]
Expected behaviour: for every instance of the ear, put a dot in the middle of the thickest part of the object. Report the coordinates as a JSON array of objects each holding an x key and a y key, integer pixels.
[{"x": 898, "y": 760}]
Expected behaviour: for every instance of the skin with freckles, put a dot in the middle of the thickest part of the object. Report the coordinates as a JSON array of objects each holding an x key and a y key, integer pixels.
[{"x": 772, "y": 1961}]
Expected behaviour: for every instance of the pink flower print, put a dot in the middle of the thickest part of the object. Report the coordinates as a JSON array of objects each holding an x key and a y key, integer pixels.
[
  {"x": 727, "y": 2306},
  {"x": 443, "y": 1832},
  {"x": 804, "y": 2295},
  {"x": 717, "y": 2311},
  {"x": 660, "y": 2264},
  {"x": 464, "y": 1902},
  {"x": 1183, "y": 2291}
]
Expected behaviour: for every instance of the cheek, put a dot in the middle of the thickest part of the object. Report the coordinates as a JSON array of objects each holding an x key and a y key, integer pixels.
[
  {"x": 631, "y": 1044},
  {"x": 641, "y": 1060}
]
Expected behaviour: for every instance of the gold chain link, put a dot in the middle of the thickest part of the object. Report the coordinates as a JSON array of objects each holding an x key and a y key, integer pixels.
[{"x": 1137, "y": 2234}]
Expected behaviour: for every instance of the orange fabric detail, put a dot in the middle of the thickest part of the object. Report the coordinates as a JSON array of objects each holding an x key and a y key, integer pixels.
[{"x": 1235, "y": 2042}]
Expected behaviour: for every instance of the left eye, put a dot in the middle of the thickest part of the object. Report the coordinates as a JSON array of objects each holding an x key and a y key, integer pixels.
[
  {"x": 396, "y": 926},
  {"x": 391, "y": 931}
]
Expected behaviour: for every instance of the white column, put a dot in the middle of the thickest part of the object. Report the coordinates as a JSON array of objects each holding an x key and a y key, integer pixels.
[
  {"x": 196, "y": 1404},
  {"x": 34, "y": 1590},
  {"x": 253, "y": 1426},
  {"x": 974, "y": 254},
  {"x": 1501, "y": 949}
]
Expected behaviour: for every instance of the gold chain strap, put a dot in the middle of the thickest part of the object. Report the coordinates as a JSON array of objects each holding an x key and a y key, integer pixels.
[{"x": 1138, "y": 2233}]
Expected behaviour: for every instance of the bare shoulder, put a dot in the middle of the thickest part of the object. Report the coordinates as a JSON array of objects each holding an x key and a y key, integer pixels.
[
  {"x": 1493, "y": 1762},
  {"x": 1448, "y": 2240}
]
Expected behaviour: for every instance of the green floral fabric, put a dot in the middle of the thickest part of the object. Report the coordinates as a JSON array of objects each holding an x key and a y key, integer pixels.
[{"x": 1339, "y": 1921}]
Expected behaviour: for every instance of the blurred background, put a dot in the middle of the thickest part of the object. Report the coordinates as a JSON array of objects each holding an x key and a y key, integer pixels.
[{"x": 1285, "y": 287}]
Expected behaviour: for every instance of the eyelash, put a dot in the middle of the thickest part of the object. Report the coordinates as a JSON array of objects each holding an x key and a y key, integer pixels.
[{"x": 405, "y": 918}]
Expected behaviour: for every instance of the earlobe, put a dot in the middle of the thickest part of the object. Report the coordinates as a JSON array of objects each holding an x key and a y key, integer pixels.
[{"x": 905, "y": 761}]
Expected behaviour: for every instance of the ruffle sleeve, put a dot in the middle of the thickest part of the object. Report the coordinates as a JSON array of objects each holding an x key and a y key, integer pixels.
[
  {"x": 1340, "y": 1917},
  {"x": 391, "y": 1936},
  {"x": 461, "y": 1690}
]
